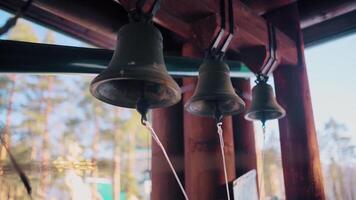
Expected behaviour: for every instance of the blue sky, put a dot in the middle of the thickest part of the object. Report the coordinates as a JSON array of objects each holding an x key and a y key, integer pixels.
[{"x": 332, "y": 77}]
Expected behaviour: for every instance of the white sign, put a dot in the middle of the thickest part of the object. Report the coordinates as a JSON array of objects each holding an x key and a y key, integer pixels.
[{"x": 245, "y": 187}]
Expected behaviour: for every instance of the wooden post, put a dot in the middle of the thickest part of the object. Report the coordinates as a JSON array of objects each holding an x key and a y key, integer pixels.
[
  {"x": 168, "y": 123},
  {"x": 299, "y": 146},
  {"x": 244, "y": 133},
  {"x": 204, "y": 175}
]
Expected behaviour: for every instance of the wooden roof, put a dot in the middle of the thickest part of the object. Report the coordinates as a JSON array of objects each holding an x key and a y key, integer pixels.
[{"x": 97, "y": 22}]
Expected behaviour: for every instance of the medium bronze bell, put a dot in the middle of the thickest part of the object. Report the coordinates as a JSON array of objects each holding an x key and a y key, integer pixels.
[
  {"x": 264, "y": 105},
  {"x": 214, "y": 95},
  {"x": 137, "y": 71}
]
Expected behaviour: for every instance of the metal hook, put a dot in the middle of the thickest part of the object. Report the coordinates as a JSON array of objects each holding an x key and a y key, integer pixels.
[{"x": 261, "y": 78}]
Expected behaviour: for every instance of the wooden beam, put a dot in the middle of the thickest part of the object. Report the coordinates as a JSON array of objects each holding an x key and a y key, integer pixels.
[
  {"x": 261, "y": 7},
  {"x": 195, "y": 21},
  {"x": 330, "y": 29},
  {"x": 168, "y": 123},
  {"x": 82, "y": 25},
  {"x": 313, "y": 12},
  {"x": 201, "y": 22},
  {"x": 204, "y": 174},
  {"x": 299, "y": 147}
]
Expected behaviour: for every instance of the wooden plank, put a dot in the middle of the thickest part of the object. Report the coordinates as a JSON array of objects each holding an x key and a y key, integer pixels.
[
  {"x": 60, "y": 24},
  {"x": 313, "y": 12},
  {"x": 300, "y": 154},
  {"x": 330, "y": 29},
  {"x": 261, "y": 7}
]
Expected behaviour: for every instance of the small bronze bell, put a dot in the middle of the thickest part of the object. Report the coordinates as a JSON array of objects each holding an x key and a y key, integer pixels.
[
  {"x": 214, "y": 95},
  {"x": 264, "y": 105},
  {"x": 137, "y": 71}
]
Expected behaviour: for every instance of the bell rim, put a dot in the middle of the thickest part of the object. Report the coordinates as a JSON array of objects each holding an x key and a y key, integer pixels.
[
  {"x": 208, "y": 97},
  {"x": 105, "y": 78},
  {"x": 249, "y": 113}
]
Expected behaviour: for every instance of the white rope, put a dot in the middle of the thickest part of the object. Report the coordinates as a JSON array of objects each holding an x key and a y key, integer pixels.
[
  {"x": 155, "y": 137},
  {"x": 262, "y": 158},
  {"x": 220, "y": 133}
]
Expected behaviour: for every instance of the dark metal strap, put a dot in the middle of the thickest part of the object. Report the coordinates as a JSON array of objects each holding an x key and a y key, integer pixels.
[
  {"x": 155, "y": 7},
  {"x": 215, "y": 51},
  {"x": 138, "y": 13},
  {"x": 217, "y": 39},
  {"x": 272, "y": 42}
]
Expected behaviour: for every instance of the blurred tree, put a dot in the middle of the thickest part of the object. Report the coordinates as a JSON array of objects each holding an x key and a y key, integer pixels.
[
  {"x": 23, "y": 32},
  {"x": 334, "y": 145},
  {"x": 117, "y": 155},
  {"x": 95, "y": 113},
  {"x": 8, "y": 85},
  {"x": 131, "y": 129}
]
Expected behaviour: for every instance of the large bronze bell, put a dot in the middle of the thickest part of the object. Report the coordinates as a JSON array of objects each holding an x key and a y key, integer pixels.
[
  {"x": 214, "y": 95},
  {"x": 137, "y": 71},
  {"x": 264, "y": 105}
]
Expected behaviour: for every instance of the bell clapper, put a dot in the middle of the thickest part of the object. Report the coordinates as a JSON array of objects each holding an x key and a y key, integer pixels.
[
  {"x": 142, "y": 108},
  {"x": 263, "y": 122}
]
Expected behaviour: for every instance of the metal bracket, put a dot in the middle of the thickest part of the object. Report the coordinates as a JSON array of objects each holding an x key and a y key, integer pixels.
[
  {"x": 138, "y": 13},
  {"x": 272, "y": 58},
  {"x": 214, "y": 50}
]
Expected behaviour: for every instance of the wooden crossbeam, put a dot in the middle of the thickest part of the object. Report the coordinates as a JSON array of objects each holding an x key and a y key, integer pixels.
[
  {"x": 200, "y": 22},
  {"x": 196, "y": 21}
]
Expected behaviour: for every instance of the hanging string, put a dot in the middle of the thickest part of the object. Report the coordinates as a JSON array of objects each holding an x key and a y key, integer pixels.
[
  {"x": 220, "y": 133},
  {"x": 149, "y": 160},
  {"x": 262, "y": 154},
  {"x": 155, "y": 137}
]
